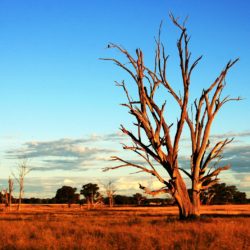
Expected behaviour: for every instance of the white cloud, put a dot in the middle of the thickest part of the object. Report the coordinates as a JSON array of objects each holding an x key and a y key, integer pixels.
[
  {"x": 68, "y": 182},
  {"x": 245, "y": 181},
  {"x": 62, "y": 154}
]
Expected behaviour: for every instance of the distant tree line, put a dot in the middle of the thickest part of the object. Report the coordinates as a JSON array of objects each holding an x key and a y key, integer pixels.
[
  {"x": 223, "y": 194},
  {"x": 218, "y": 194}
]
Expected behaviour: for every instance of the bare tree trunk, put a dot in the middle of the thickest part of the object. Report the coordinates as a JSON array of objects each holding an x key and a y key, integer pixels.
[
  {"x": 10, "y": 201},
  {"x": 186, "y": 209},
  {"x": 111, "y": 201},
  {"x": 209, "y": 199},
  {"x": 10, "y": 191},
  {"x": 88, "y": 203},
  {"x": 92, "y": 200},
  {"x": 196, "y": 199},
  {"x": 6, "y": 199},
  {"x": 189, "y": 207},
  {"x": 20, "y": 197}
]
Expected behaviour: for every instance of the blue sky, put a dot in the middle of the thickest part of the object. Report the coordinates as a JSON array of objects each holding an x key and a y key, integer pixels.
[{"x": 56, "y": 95}]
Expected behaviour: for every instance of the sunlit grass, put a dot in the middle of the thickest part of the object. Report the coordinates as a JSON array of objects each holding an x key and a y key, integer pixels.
[{"x": 57, "y": 227}]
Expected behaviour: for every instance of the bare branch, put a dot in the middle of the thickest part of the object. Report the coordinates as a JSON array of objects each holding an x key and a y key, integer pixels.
[
  {"x": 184, "y": 171},
  {"x": 214, "y": 173},
  {"x": 154, "y": 192},
  {"x": 210, "y": 184},
  {"x": 120, "y": 65},
  {"x": 215, "y": 152}
]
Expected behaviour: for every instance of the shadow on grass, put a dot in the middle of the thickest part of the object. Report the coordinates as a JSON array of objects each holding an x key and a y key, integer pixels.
[
  {"x": 17, "y": 219},
  {"x": 225, "y": 215},
  {"x": 206, "y": 218}
]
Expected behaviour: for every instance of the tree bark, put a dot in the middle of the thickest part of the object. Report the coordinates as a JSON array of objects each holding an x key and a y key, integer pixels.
[
  {"x": 19, "y": 200},
  {"x": 186, "y": 209},
  {"x": 10, "y": 192},
  {"x": 196, "y": 200},
  {"x": 111, "y": 201}
]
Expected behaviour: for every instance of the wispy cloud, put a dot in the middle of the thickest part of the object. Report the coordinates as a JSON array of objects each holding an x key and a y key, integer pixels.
[
  {"x": 66, "y": 153},
  {"x": 63, "y": 147},
  {"x": 238, "y": 157},
  {"x": 231, "y": 134}
]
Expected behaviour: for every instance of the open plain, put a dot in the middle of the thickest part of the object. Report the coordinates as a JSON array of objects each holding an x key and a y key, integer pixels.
[{"x": 60, "y": 227}]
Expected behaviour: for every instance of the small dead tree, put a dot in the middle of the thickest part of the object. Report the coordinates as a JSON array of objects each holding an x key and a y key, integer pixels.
[
  {"x": 110, "y": 191},
  {"x": 22, "y": 171},
  {"x": 11, "y": 188},
  {"x": 153, "y": 141}
]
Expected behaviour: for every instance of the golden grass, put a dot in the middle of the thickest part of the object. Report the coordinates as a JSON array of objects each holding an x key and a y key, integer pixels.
[{"x": 57, "y": 227}]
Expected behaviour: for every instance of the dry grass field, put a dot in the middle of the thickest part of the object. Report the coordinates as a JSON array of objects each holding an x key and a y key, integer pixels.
[{"x": 58, "y": 227}]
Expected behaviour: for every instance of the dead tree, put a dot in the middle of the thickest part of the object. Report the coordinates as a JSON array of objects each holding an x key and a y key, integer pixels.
[
  {"x": 152, "y": 140},
  {"x": 22, "y": 171},
  {"x": 11, "y": 188},
  {"x": 110, "y": 191}
]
